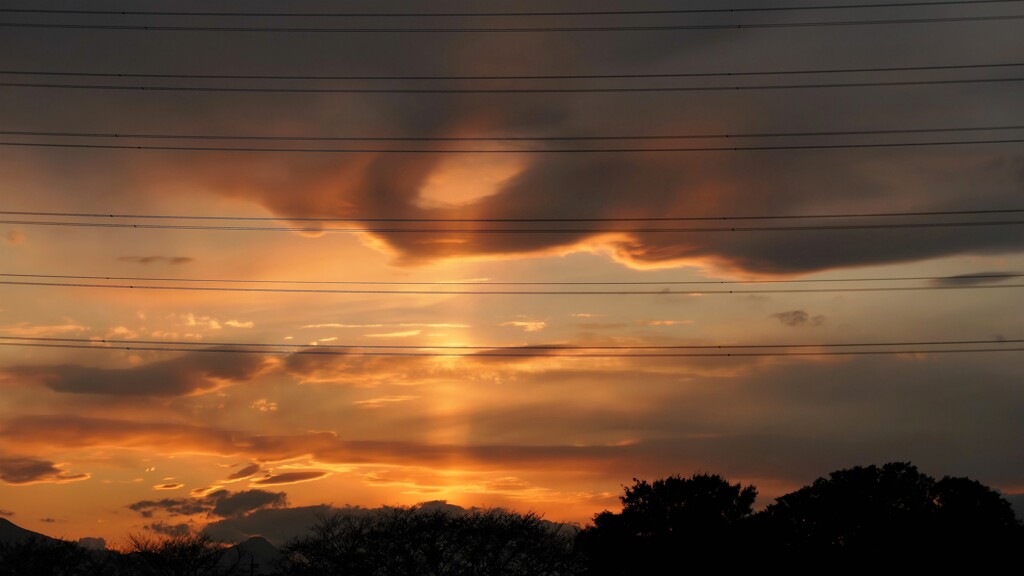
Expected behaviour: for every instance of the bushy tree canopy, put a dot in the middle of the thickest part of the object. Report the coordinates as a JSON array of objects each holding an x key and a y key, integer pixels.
[
  {"x": 699, "y": 518},
  {"x": 434, "y": 541}
]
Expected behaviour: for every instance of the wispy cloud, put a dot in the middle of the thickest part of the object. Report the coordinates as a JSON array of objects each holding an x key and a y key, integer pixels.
[
  {"x": 35, "y": 330},
  {"x": 243, "y": 473},
  {"x": 290, "y": 478},
  {"x": 664, "y": 322},
  {"x": 400, "y": 334},
  {"x": 240, "y": 324},
  {"x": 396, "y": 324},
  {"x": 526, "y": 325},
  {"x": 798, "y": 318},
  {"x": 175, "y": 260},
  {"x": 264, "y": 405},
  {"x": 382, "y": 401}
]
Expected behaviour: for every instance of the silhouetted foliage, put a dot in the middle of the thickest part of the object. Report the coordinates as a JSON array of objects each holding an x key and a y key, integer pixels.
[
  {"x": 871, "y": 517},
  {"x": 698, "y": 518},
  {"x": 431, "y": 541},
  {"x": 37, "y": 557},
  {"x": 183, "y": 555},
  {"x": 894, "y": 513}
]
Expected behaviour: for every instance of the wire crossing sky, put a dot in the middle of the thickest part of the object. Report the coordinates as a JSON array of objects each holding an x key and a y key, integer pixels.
[
  {"x": 510, "y": 14},
  {"x": 505, "y": 255},
  {"x": 517, "y": 29}
]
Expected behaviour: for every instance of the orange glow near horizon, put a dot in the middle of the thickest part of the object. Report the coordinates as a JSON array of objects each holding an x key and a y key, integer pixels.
[{"x": 539, "y": 292}]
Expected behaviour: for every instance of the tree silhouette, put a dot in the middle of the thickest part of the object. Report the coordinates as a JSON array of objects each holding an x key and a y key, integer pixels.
[
  {"x": 38, "y": 557},
  {"x": 697, "y": 520},
  {"x": 184, "y": 555},
  {"x": 891, "y": 513},
  {"x": 433, "y": 541},
  {"x": 971, "y": 517}
]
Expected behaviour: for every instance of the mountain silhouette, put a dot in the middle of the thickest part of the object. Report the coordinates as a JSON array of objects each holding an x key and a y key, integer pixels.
[
  {"x": 11, "y": 533},
  {"x": 256, "y": 556}
]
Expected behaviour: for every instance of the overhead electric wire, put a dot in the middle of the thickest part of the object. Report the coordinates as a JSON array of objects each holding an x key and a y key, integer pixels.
[
  {"x": 314, "y": 351},
  {"x": 507, "y": 150},
  {"x": 512, "y": 29},
  {"x": 367, "y": 291},
  {"x": 573, "y": 138},
  {"x": 520, "y": 77},
  {"x": 967, "y": 277},
  {"x": 903, "y": 225},
  {"x": 519, "y": 347},
  {"x": 463, "y": 220},
  {"x": 604, "y": 90},
  {"x": 533, "y": 13}
]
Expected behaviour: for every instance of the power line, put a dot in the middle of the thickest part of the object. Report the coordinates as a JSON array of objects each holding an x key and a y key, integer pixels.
[
  {"x": 905, "y": 225},
  {"x": 95, "y": 341},
  {"x": 663, "y": 292},
  {"x": 606, "y": 90},
  {"x": 519, "y": 77},
  {"x": 507, "y": 151},
  {"x": 464, "y": 220},
  {"x": 990, "y": 277},
  {"x": 869, "y": 5},
  {"x": 694, "y": 136},
  {"x": 315, "y": 352},
  {"x": 490, "y": 30}
]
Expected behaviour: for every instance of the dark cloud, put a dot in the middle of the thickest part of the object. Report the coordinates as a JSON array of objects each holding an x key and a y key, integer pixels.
[
  {"x": 71, "y": 431},
  {"x": 46, "y": 431},
  {"x": 798, "y": 318},
  {"x": 6, "y": 513},
  {"x": 48, "y": 520},
  {"x": 379, "y": 185},
  {"x": 290, "y": 477},
  {"x": 187, "y": 374},
  {"x": 171, "y": 506},
  {"x": 243, "y": 473},
  {"x": 167, "y": 529},
  {"x": 157, "y": 259},
  {"x": 974, "y": 279},
  {"x": 279, "y": 526},
  {"x": 221, "y": 503},
  {"x": 228, "y": 505},
  {"x": 789, "y": 420},
  {"x": 26, "y": 470}
]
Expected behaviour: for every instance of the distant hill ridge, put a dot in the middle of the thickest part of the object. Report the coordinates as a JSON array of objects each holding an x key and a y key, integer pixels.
[{"x": 11, "y": 533}]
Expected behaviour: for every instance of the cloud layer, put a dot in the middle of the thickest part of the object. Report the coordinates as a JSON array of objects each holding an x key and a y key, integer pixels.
[
  {"x": 186, "y": 374},
  {"x": 27, "y": 470}
]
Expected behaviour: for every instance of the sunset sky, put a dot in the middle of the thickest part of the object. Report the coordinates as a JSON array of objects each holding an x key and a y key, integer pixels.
[{"x": 100, "y": 441}]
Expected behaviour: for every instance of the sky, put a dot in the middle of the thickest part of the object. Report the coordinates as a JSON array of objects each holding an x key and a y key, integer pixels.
[{"x": 97, "y": 440}]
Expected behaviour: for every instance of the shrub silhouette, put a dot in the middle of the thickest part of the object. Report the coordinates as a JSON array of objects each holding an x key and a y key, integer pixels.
[
  {"x": 184, "y": 555},
  {"x": 893, "y": 513},
  {"x": 38, "y": 557},
  {"x": 433, "y": 541},
  {"x": 700, "y": 518},
  {"x": 859, "y": 518}
]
